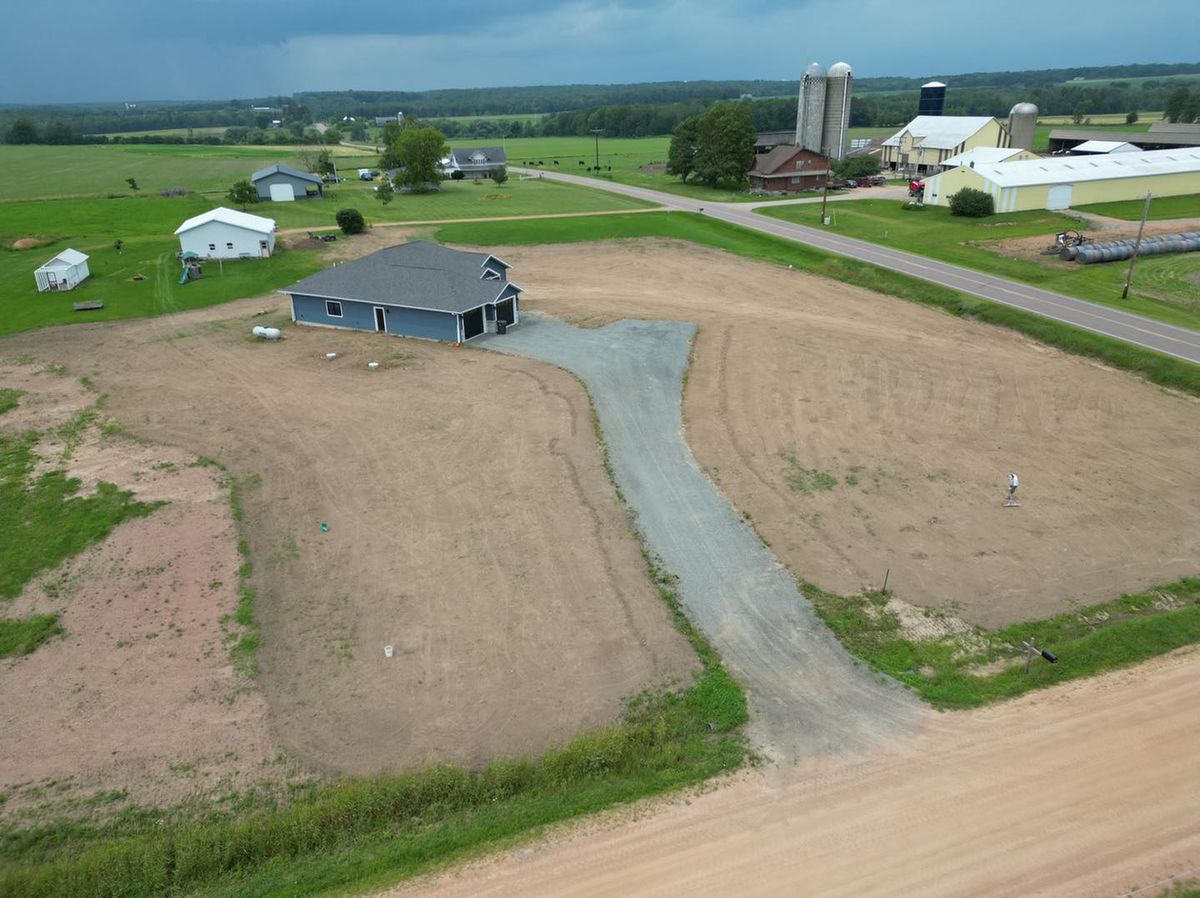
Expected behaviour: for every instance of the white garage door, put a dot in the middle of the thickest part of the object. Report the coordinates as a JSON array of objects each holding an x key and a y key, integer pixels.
[
  {"x": 282, "y": 193},
  {"x": 1060, "y": 196}
]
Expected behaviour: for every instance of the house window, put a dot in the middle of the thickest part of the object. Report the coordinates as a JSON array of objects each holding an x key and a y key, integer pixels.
[
  {"x": 229, "y": 246},
  {"x": 333, "y": 309},
  {"x": 212, "y": 247},
  {"x": 796, "y": 179}
]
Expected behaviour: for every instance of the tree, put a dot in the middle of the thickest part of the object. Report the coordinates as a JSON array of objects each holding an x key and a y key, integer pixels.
[
  {"x": 333, "y": 135},
  {"x": 1131, "y": 118},
  {"x": 21, "y": 131},
  {"x": 359, "y": 133},
  {"x": 132, "y": 182},
  {"x": 856, "y": 167},
  {"x": 725, "y": 148},
  {"x": 972, "y": 203},
  {"x": 418, "y": 153},
  {"x": 350, "y": 221},
  {"x": 385, "y": 193},
  {"x": 1082, "y": 108},
  {"x": 60, "y": 133},
  {"x": 681, "y": 156},
  {"x": 499, "y": 174},
  {"x": 243, "y": 193}
]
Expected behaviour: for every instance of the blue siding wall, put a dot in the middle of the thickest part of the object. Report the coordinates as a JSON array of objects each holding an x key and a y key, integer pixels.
[
  {"x": 361, "y": 316},
  {"x": 299, "y": 186}
]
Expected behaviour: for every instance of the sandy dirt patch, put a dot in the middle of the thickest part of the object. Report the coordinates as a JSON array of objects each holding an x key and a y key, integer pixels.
[
  {"x": 139, "y": 698},
  {"x": 1087, "y": 790},
  {"x": 471, "y": 526},
  {"x": 918, "y": 417}
]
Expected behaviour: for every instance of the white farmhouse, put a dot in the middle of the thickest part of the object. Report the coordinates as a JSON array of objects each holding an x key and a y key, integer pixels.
[
  {"x": 227, "y": 234},
  {"x": 62, "y": 272}
]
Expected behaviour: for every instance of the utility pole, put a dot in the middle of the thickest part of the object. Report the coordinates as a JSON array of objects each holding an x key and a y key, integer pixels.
[
  {"x": 824, "y": 198},
  {"x": 597, "y": 132},
  {"x": 1137, "y": 244}
]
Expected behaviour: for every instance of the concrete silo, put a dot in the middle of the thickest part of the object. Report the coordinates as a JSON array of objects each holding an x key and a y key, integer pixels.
[
  {"x": 810, "y": 112},
  {"x": 1022, "y": 122},
  {"x": 838, "y": 88}
]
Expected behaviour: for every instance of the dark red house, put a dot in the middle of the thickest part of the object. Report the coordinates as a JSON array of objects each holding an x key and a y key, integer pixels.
[{"x": 788, "y": 169}]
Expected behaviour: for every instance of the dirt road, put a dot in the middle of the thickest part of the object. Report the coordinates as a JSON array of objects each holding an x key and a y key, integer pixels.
[{"x": 1086, "y": 790}]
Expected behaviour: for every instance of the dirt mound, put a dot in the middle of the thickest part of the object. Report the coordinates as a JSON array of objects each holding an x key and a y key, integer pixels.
[{"x": 32, "y": 242}]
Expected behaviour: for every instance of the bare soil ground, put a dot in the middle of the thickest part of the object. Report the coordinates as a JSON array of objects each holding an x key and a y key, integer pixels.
[
  {"x": 138, "y": 701},
  {"x": 918, "y": 417},
  {"x": 1098, "y": 228},
  {"x": 1086, "y": 790},
  {"x": 471, "y": 526}
]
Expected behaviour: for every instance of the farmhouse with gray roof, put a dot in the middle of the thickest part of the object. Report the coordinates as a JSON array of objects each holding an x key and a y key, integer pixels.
[
  {"x": 289, "y": 183},
  {"x": 474, "y": 162},
  {"x": 416, "y": 289}
]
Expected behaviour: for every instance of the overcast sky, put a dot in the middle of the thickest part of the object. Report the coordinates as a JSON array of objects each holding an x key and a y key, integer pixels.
[{"x": 82, "y": 50}]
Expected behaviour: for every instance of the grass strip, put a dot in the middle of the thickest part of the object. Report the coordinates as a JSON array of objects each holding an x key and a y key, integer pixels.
[
  {"x": 43, "y": 521},
  {"x": 1159, "y": 369},
  {"x": 9, "y": 399},
  {"x": 1087, "y": 641},
  {"x": 22, "y": 636}
]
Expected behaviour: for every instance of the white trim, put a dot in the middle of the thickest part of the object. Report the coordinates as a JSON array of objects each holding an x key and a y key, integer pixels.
[
  {"x": 496, "y": 258},
  {"x": 329, "y": 312},
  {"x": 382, "y": 309}
]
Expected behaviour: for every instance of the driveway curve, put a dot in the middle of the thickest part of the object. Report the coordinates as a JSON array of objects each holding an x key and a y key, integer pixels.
[{"x": 807, "y": 696}]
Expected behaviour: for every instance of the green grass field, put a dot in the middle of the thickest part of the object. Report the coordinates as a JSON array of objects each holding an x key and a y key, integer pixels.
[
  {"x": 1163, "y": 288},
  {"x": 1161, "y": 208}
]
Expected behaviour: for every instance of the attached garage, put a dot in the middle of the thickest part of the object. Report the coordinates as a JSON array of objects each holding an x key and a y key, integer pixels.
[{"x": 417, "y": 289}]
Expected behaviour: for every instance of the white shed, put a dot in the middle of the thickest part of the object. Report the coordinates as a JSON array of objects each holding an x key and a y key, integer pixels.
[
  {"x": 63, "y": 272},
  {"x": 227, "y": 234}
]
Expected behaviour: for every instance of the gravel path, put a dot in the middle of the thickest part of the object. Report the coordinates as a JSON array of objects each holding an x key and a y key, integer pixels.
[{"x": 806, "y": 694}]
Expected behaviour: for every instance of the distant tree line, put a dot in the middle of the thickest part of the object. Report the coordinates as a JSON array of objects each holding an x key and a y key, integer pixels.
[{"x": 622, "y": 110}]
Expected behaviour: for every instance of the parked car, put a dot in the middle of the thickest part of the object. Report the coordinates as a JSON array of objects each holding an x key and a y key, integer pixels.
[
  {"x": 878, "y": 180},
  {"x": 367, "y": 174},
  {"x": 849, "y": 182},
  {"x": 864, "y": 182}
]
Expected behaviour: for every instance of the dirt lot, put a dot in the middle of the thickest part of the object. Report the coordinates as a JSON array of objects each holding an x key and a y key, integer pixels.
[
  {"x": 139, "y": 696},
  {"x": 470, "y": 525},
  {"x": 918, "y": 417}
]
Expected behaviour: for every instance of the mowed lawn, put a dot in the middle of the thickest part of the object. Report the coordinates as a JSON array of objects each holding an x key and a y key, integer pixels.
[
  {"x": 1161, "y": 208},
  {"x": 94, "y": 207},
  {"x": 1164, "y": 287}
]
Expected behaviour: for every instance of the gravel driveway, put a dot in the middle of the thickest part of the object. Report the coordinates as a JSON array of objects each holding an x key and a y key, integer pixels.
[{"x": 806, "y": 694}]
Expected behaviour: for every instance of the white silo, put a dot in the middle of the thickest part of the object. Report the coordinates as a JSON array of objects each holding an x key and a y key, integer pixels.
[
  {"x": 838, "y": 88},
  {"x": 810, "y": 112},
  {"x": 1022, "y": 122}
]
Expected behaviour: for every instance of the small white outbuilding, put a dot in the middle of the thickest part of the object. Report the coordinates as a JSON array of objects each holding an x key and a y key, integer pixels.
[
  {"x": 63, "y": 272},
  {"x": 227, "y": 234}
]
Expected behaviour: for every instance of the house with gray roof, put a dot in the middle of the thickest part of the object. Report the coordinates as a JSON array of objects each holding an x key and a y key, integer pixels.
[
  {"x": 282, "y": 182},
  {"x": 416, "y": 289},
  {"x": 474, "y": 162}
]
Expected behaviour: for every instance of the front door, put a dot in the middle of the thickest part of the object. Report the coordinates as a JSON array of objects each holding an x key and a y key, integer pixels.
[{"x": 380, "y": 321}]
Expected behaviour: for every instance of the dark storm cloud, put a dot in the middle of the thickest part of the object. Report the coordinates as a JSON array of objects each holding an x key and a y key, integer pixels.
[{"x": 127, "y": 49}]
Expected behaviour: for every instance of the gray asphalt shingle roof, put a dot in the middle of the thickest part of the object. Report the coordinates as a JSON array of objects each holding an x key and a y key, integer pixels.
[
  {"x": 418, "y": 275},
  {"x": 284, "y": 170},
  {"x": 492, "y": 155}
]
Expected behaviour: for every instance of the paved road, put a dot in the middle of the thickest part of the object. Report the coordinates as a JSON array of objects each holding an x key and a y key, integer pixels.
[
  {"x": 1182, "y": 343},
  {"x": 807, "y": 697}
]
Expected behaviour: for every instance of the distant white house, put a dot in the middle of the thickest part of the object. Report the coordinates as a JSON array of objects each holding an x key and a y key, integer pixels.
[
  {"x": 63, "y": 272},
  {"x": 474, "y": 163},
  {"x": 227, "y": 234}
]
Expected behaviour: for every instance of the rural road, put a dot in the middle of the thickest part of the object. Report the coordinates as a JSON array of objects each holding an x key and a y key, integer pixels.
[
  {"x": 1182, "y": 343},
  {"x": 807, "y": 697},
  {"x": 1087, "y": 790}
]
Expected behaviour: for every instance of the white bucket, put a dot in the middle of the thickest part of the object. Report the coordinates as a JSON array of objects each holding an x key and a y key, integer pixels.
[
  {"x": 388, "y": 651},
  {"x": 331, "y": 355},
  {"x": 372, "y": 365}
]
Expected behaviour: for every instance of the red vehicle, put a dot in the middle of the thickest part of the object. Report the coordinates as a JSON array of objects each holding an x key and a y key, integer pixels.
[{"x": 916, "y": 188}]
